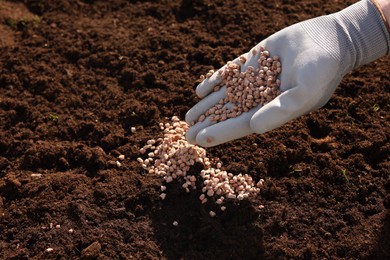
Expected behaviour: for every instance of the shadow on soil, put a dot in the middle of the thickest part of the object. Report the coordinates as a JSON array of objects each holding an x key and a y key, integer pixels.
[
  {"x": 382, "y": 249},
  {"x": 229, "y": 235}
]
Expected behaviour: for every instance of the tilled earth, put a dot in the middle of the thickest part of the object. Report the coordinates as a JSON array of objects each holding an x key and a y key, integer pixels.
[{"x": 76, "y": 75}]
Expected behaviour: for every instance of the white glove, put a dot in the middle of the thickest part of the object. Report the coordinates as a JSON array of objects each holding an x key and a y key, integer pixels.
[{"x": 315, "y": 56}]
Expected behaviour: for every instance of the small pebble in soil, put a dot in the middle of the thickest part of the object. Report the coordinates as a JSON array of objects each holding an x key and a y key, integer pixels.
[
  {"x": 118, "y": 164},
  {"x": 175, "y": 223}
]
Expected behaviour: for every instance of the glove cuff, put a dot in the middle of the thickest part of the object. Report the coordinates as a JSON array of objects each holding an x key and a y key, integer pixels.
[
  {"x": 355, "y": 36},
  {"x": 367, "y": 29},
  {"x": 387, "y": 23}
]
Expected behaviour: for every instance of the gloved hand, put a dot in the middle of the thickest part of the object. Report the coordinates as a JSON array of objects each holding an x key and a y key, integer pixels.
[{"x": 315, "y": 56}]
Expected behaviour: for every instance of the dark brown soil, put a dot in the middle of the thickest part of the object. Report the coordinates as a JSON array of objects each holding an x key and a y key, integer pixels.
[{"x": 76, "y": 75}]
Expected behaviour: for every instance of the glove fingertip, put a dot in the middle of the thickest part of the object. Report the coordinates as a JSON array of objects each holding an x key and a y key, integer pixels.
[
  {"x": 193, "y": 131},
  {"x": 188, "y": 117},
  {"x": 207, "y": 85},
  {"x": 205, "y": 140},
  {"x": 201, "y": 90},
  {"x": 191, "y": 136}
]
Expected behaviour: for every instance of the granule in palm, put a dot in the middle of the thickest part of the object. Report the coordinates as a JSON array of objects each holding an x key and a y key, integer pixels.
[{"x": 247, "y": 89}]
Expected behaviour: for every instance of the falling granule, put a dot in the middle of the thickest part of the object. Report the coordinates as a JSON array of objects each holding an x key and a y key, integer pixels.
[{"x": 171, "y": 158}]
